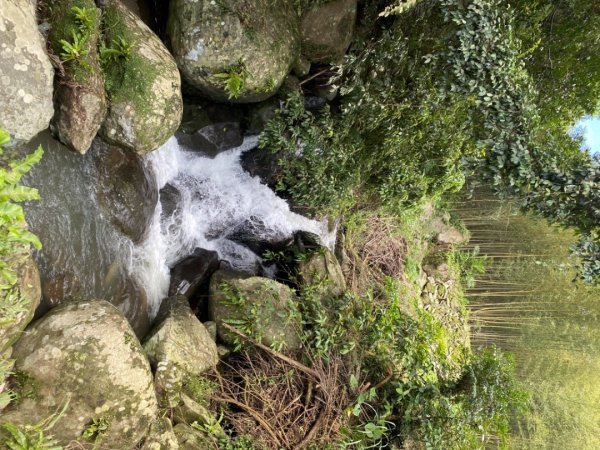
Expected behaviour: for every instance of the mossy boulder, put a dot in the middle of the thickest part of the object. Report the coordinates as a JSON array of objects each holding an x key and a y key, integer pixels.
[
  {"x": 85, "y": 356},
  {"x": 191, "y": 439},
  {"x": 178, "y": 347},
  {"x": 261, "y": 307},
  {"x": 28, "y": 290},
  {"x": 251, "y": 43},
  {"x": 144, "y": 88},
  {"x": 79, "y": 96},
  {"x": 321, "y": 273},
  {"x": 26, "y": 74},
  {"x": 327, "y": 30}
]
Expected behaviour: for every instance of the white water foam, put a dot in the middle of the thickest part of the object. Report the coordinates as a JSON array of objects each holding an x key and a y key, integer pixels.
[{"x": 216, "y": 197}]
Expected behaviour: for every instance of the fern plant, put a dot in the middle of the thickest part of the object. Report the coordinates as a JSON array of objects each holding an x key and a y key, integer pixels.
[{"x": 74, "y": 51}]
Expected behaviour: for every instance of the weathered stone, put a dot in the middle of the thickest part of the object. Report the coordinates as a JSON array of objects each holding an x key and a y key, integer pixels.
[
  {"x": 267, "y": 307},
  {"x": 211, "y": 327},
  {"x": 26, "y": 74},
  {"x": 256, "y": 41},
  {"x": 177, "y": 347},
  {"x": 85, "y": 356},
  {"x": 323, "y": 273},
  {"x": 79, "y": 96},
  {"x": 29, "y": 289},
  {"x": 125, "y": 192},
  {"x": 192, "y": 439},
  {"x": 161, "y": 436},
  {"x": 144, "y": 89},
  {"x": 189, "y": 411},
  {"x": 170, "y": 198},
  {"x": 301, "y": 66},
  {"x": 192, "y": 272},
  {"x": 451, "y": 236},
  {"x": 327, "y": 30}
]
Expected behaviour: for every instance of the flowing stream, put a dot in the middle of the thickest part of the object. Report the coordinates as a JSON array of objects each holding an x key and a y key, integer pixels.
[{"x": 203, "y": 202}]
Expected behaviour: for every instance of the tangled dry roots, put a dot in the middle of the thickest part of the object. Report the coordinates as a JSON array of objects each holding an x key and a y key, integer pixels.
[
  {"x": 280, "y": 405},
  {"x": 379, "y": 252}
]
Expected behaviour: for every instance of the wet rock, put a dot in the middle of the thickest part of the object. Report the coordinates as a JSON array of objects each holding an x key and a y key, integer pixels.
[
  {"x": 79, "y": 96},
  {"x": 266, "y": 306},
  {"x": 126, "y": 193},
  {"x": 61, "y": 288},
  {"x": 251, "y": 42},
  {"x": 192, "y": 272},
  {"x": 253, "y": 234},
  {"x": 261, "y": 163},
  {"x": 323, "y": 273},
  {"x": 29, "y": 289},
  {"x": 144, "y": 89},
  {"x": 170, "y": 199},
  {"x": 177, "y": 347},
  {"x": 86, "y": 356},
  {"x": 211, "y": 128},
  {"x": 305, "y": 240},
  {"x": 327, "y": 30},
  {"x": 131, "y": 298},
  {"x": 26, "y": 74},
  {"x": 161, "y": 436}
]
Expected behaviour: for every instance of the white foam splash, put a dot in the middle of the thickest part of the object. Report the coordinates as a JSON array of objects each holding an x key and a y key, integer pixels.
[{"x": 217, "y": 196}]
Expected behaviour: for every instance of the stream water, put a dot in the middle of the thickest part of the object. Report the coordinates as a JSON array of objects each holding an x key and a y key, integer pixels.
[{"x": 202, "y": 201}]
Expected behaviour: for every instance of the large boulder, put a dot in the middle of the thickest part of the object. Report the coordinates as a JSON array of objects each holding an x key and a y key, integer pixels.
[
  {"x": 161, "y": 436},
  {"x": 321, "y": 272},
  {"x": 179, "y": 346},
  {"x": 24, "y": 299},
  {"x": 327, "y": 30},
  {"x": 144, "y": 88},
  {"x": 79, "y": 97},
  {"x": 126, "y": 193},
  {"x": 85, "y": 356},
  {"x": 263, "y": 308},
  {"x": 26, "y": 74},
  {"x": 247, "y": 45}
]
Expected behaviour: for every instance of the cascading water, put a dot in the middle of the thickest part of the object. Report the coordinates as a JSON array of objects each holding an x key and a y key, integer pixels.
[{"x": 214, "y": 198}]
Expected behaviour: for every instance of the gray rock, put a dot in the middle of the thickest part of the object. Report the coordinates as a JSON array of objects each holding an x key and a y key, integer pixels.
[
  {"x": 190, "y": 411},
  {"x": 323, "y": 273},
  {"x": 144, "y": 89},
  {"x": 177, "y": 347},
  {"x": 212, "y": 329},
  {"x": 29, "y": 289},
  {"x": 26, "y": 74},
  {"x": 85, "y": 355},
  {"x": 256, "y": 40},
  {"x": 79, "y": 97},
  {"x": 192, "y": 439},
  {"x": 264, "y": 306},
  {"x": 125, "y": 192},
  {"x": 301, "y": 66},
  {"x": 161, "y": 436},
  {"x": 327, "y": 30},
  {"x": 260, "y": 114}
]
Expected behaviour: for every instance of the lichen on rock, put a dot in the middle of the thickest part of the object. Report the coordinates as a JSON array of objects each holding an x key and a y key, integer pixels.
[
  {"x": 26, "y": 74},
  {"x": 85, "y": 355}
]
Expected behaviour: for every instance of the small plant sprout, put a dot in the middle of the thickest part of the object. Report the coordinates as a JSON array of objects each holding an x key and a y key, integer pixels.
[
  {"x": 73, "y": 51},
  {"x": 234, "y": 79}
]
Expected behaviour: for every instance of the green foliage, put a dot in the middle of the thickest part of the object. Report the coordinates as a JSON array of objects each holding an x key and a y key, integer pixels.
[
  {"x": 85, "y": 18},
  {"x": 119, "y": 48},
  {"x": 96, "y": 429},
  {"x": 32, "y": 437},
  {"x": 15, "y": 238},
  {"x": 233, "y": 78},
  {"x": 74, "y": 50}
]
